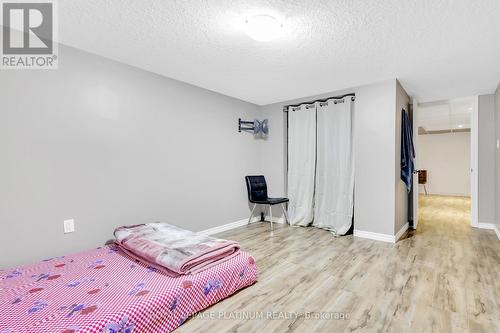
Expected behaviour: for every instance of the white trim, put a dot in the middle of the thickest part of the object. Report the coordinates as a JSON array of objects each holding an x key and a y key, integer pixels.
[
  {"x": 374, "y": 236},
  {"x": 488, "y": 226},
  {"x": 497, "y": 231},
  {"x": 445, "y": 194},
  {"x": 416, "y": 147},
  {"x": 474, "y": 163},
  {"x": 237, "y": 224},
  {"x": 382, "y": 237},
  {"x": 357, "y": 233},
  {"x": 228, "y": 226},
  {"x": 401, "y": 232}
]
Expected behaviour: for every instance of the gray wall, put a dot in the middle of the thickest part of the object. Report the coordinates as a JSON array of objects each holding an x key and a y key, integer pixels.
[
  {"x": 375, "y": 145},
  {"x": 497, "y": 159},
  {"x": 401, "y": 196},
  {"x": 486, "y": 158},
  {"x": 375, "y": 151},
  {"x": 447, "y": 158},
  {"x": 108, "y": 145}
]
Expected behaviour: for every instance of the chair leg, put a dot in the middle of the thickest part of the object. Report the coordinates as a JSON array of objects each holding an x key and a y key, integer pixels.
[
  {"x": 251, "y": 214},
  {"x": 271, "y": 216},
  {"x": 284, "y": 213}
]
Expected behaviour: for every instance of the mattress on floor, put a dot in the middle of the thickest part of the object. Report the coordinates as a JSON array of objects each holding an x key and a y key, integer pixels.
[{"x": 104, "y": 290}]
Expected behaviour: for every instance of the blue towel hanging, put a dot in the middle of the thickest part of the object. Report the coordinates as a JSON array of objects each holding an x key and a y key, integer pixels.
[{"x": 407, "y": 151}]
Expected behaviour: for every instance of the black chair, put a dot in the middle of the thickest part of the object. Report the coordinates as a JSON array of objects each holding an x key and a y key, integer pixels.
[{"x": 257, "y": 194}]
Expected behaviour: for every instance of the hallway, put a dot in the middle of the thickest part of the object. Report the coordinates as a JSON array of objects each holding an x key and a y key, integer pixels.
[
  {"x": 444, "y": 214},
  {"x": 464, "y": 284}
]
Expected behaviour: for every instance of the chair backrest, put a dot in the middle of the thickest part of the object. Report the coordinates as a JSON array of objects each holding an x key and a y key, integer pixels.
[
  {"x": 422, "y": 177},
  {"x": 257, "y": 188}
]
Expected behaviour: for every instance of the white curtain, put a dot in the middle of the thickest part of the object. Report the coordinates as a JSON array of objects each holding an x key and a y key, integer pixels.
[
  {"x": 333, "y": 202},
  {"x": 301, "y": 164}
]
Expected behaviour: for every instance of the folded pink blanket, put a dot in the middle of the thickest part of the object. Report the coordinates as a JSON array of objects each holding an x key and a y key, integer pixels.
[{"x": 174, "y": 250}]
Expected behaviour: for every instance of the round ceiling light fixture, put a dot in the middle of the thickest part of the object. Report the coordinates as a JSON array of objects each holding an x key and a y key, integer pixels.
[{"x": 263, "y": 28}]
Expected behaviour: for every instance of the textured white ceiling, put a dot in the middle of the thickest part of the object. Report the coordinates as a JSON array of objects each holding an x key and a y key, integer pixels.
[{"x": 439, "y": 49}]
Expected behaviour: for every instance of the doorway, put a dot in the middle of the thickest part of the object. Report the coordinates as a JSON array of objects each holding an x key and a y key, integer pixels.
[{"x": 446, "y": 140}]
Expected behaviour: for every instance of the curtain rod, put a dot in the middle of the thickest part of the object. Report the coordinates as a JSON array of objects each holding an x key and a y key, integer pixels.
[{"x": 285, "y": 108}]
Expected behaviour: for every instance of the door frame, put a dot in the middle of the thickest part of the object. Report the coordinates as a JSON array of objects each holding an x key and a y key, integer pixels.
[
  {"x": 416, "y": 189},
  {"x": 474, "y": 164}
]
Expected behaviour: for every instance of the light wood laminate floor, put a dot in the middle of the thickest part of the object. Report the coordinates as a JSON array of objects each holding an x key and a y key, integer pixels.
[{"x": 443, "y": 277}]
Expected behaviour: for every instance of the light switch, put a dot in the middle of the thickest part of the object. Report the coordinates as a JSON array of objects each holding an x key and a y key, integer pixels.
[
  {"x": 498, "y": 143},
  {"x": 69, "y": 226}
]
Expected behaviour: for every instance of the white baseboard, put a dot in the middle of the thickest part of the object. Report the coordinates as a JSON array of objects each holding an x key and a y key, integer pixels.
[
  {"x": 228, "y": 226},
  {"x": 497, "y": 231},
  {"x": 237, "y": 224},
  {"x": 480, "y": 225},
  {"x": 401, "y": 232},
  {"x": 381, "y": 237},
  {"x": 445, "y": 194},
  {"x": 487, "y": 226},
  {"x": 374, "y": 236}
]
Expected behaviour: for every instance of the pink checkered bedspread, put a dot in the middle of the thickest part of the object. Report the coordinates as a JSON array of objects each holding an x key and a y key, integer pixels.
[{"x": 104, "y": 290}]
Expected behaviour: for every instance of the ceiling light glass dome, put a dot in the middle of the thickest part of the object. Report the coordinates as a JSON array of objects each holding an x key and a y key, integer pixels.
[{"x": 263, "y": 28}]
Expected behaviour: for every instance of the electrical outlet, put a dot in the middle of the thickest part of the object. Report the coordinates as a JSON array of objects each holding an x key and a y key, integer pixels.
[{"x": 69, "y": 226}]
